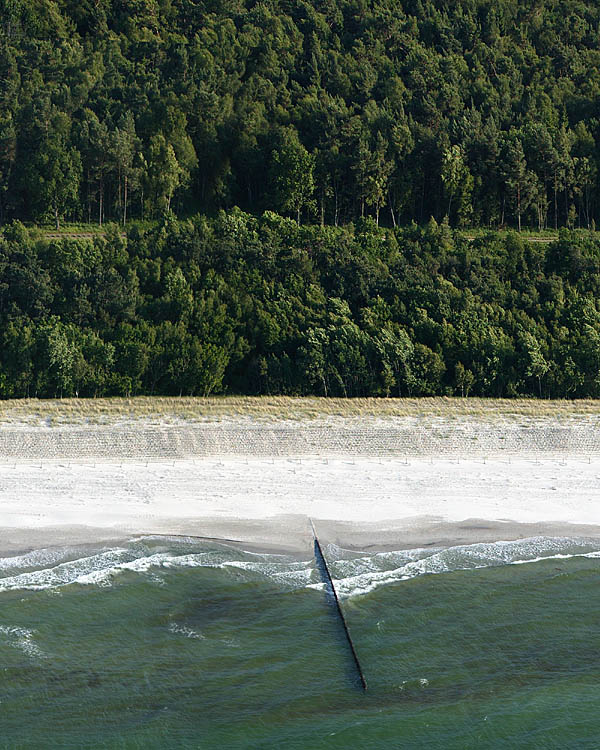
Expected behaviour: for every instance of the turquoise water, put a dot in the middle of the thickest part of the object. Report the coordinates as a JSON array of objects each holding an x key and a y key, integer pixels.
[{"x": 166, "y": 643}]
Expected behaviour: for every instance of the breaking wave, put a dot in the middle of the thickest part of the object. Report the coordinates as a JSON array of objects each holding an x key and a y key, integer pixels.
[
  {"x": 354, "y": 573},
  {"x": 22, "y": 640},
  {"x": 104, "y": 567},
  {"x": 362, "y": 575}
]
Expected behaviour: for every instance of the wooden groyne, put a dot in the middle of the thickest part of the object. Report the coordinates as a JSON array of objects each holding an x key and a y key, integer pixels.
[{"x": 324, "y": 568}]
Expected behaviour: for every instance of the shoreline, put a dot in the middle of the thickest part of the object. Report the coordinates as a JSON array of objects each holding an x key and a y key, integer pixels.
[
  {"x": 289, "y": 535},
  {"x": 265, "y": 504},
  {"x": 370, "y": 481}
]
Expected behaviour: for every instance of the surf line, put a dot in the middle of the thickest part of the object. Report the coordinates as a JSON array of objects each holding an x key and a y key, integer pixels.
[
  {"x": 143, "y": 534},
  {"x": 324, "y": 568}
]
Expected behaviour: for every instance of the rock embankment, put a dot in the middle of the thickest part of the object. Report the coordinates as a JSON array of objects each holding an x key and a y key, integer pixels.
[{"x": 384, "y": 438}]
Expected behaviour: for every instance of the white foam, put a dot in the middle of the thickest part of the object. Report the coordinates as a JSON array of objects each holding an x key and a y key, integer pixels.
[
  {"x": 73, "y": 571},
  {"x": 464, "y": 557},
  {"x": 187, "y": 632},
  {"x": 352, "y": 575},
  {"x": 21, "y": 639},
  {"x": 296, "y": 575},
  {"x": 101, "y": 569},
  {"x": 556, "y": 557},
  {"x": 35, "y": 558}
]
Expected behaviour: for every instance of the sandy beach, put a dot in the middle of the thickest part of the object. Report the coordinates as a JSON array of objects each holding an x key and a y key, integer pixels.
[
  {"x": 370, "y": 473},
  {"x": 357, "y": 502}
]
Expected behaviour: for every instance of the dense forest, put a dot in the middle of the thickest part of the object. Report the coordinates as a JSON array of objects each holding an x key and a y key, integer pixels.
[
  {"x": 299, "y": 174},
  {"x": 483, "y": 111},
  {"x": 242, "y": 304}
]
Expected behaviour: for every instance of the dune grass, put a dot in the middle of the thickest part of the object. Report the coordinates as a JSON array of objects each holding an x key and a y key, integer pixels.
[{"x": 271, "y": 408}]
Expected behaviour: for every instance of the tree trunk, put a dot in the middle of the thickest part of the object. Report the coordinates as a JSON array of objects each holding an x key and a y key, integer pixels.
[
  {"x": 56, "y": 218},
  {"x": 120, "y": 195},
  {"x": 322, "y": 209},
  {"x": 336, "y": 214},
  {"x": 125, "y": 203},
  {"x": 89, "y": 198},
  {"x": 391, "y": 205}
]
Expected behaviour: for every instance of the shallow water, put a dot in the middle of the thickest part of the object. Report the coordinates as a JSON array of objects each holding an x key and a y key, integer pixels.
[{"x": 167, "y": 643}]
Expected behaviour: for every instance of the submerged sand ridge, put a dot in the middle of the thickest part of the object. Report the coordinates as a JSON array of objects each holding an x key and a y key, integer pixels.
[{"x": 392, "y": 482}]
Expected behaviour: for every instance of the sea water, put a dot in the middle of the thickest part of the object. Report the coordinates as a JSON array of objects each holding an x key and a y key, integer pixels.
[{"x": 177, "y": 643}]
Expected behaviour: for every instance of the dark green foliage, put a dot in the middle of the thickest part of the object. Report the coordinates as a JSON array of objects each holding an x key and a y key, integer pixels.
[
  {"x": 252, "y": 305},
  {"x": 483, "y": 111},
  {"x": 358, "y": 116}
]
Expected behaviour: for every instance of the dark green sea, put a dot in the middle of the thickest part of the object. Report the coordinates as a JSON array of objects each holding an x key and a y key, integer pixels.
[{"x": 174, "y": 643}]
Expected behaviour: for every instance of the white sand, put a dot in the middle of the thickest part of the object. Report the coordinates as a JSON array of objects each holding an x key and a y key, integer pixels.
[{"x": 211, "y": 496}]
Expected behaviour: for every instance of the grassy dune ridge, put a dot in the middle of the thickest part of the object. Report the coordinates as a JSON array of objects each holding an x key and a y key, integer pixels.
[{"x": 273, "y": 408}]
